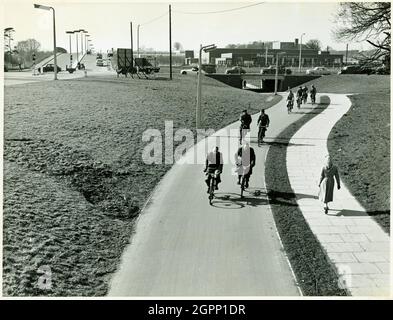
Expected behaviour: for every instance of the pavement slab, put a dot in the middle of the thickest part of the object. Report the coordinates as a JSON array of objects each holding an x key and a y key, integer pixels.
[{"x": 355, "y": 243}]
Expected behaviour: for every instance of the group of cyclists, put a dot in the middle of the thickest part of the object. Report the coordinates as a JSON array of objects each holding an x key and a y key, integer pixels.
[
  {"x": 245, "y": 156},
  {"x": 301, "y": 97},
  {"x": 245, "y": 160}
]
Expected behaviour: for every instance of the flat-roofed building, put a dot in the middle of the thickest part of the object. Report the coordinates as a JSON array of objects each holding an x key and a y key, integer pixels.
[{"x": 266, "y": 55}]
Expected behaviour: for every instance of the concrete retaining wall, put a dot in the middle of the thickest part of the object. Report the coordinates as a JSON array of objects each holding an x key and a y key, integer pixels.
[{"x": 236, "y": 80}]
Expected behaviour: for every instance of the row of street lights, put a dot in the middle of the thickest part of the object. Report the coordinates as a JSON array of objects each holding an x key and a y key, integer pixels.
[
  {"x": 76, "y": 32},
  {"x": 87, "y": 42}
]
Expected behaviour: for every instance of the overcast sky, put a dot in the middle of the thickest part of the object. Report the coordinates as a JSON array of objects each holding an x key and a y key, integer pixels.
[{"x": 108, "y": 23}]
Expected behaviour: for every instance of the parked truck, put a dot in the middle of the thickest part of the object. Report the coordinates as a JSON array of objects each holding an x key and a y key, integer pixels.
[{"x": 145, "y": 65}]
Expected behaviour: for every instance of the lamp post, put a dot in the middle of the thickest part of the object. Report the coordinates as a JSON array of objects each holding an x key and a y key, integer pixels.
[
  {"x": 137, "y": 39},
  {"x": 132, "y": 46},
  {"x": 89, "y": 45},
  {"x": 70, "y": 32},
  {"x": 276, "y": 76},
  {"x": 86, "y": 42},
  {"x": 76, "y": 39},
  {"x": 39, "y": 6},
  {"x": 300, "y": 52},
  {"x": 199, "y": 89},
  {"x": 82, "y": 31},
  {"x": 85, "y": 32}
]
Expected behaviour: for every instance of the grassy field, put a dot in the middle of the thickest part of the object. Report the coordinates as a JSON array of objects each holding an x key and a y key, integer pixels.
[
  {"x": 74, "y": 179},
  {"x": 360, "y": 141},
  {"x": 315, "y": 274}
]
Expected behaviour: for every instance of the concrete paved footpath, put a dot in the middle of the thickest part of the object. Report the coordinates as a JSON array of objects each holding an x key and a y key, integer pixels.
[
  {"x": 354, "y": 242},
  {"x": 185, "y": 247}
]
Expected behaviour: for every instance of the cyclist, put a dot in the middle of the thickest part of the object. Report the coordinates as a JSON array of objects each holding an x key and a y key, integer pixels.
[
  {"x": 245, "y": 121},
  {"x": 263, "y": 123},
  {"x": 299, "y": 95},
  {"x": 245, "y": 156},
  {"x": 313, "y": 93},
  {"x": 214, "y": 162},
  {"x": 290, "y": 99},
  {"x": 305, "y": 94}
]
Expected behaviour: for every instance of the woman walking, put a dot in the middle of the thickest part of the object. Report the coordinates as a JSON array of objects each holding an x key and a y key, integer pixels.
[{"x": 326, "y": 184}]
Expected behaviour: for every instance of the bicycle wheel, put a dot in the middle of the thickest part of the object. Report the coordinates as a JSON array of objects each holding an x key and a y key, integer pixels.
[
  {"x": 242, "y": 187},
  {"x": 259, "y": 136},
  {"x": 211, "y": 189}
]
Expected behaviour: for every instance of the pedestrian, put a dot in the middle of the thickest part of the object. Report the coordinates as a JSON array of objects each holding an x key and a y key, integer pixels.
[
  {"x": 326, "y": 183},
  {"x": 245, "y": 121}
]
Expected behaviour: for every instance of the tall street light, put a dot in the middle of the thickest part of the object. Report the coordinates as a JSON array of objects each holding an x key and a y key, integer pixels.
[
  {"x": 82, "y": 31},
  {"x": 70, "y": 33},
  {"x": 276, "y": 76},
  {"x": 300, "y": 53},
  {"x": 89, "y": 43},
  {"x": 199, "y": 92},
  {"x": 132, "y": 46},
  {"x": 39, "y": 6},
  {"x": 137, "y": 39},
  {"x": 76, "y": 38},
  {"x": 86, "y": 42},
  {"x": 85, "y": 32}
]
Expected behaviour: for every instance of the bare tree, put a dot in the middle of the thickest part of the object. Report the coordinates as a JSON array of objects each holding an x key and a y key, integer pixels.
[
  {"x": 28, "y": 46},
  {"x": 366, "y": 21},
  {"x": 314, "y": 44},
  {"x": 178, "y": 46}
]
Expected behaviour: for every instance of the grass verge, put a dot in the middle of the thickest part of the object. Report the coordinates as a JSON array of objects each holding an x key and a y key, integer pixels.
[
  {"x": 74, "y": 179},
  {"x": 315, "y": 273},
  {"x": 360, "y": 144},
  {"x": 360, "y": 140}
]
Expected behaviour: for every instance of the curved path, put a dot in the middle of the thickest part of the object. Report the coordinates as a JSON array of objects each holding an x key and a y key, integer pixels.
[
  {"x": 182, "y": 246},
  {"x": 355, "y": 243}
]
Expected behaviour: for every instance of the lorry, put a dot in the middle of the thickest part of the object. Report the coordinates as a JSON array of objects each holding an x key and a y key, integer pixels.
[{"x": 145, "y": 65}]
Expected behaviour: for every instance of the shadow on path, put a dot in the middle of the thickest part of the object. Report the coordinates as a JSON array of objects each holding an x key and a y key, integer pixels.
[
  {"x": 288, "y": 198},
  {"x": 252, "y": 198},
  {"x": 355, "y": 213}
]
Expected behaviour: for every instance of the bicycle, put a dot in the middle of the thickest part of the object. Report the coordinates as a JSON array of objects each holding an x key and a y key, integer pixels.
[
  {"x": 243, "y": 133},
  {"x": 313, "y": 98},
  {"x": 213, "y": 184},
  {"x": 244, "y": 178},
  {"x": 289, "y": 106},
  {"x": 261, "y": 134},
  {"x": 298, "y": 102},
  {"x": 305, "y": 96}
]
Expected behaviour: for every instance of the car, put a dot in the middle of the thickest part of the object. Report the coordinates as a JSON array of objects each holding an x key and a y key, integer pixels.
[
  {"x": 209, "y": 68},
  {"x": 99, "y": 62},
  {"x": 99, "y": 56},
  {"x": 381, "y": 70},
  {"x": 318, "y": 70},
  {"x": 272, "y": 70},
  {"x": 354, "y": 70},
  {"x": 193, "y": 70},
  {"x": 235, "y": 70},
  {"x": 50, "y": 67}
]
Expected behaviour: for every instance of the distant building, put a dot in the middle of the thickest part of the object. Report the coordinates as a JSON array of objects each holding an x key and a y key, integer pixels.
[{"x": 266, "y": 55}]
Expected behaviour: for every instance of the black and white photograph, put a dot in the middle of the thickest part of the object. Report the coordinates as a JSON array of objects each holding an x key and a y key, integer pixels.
[{"x": 196, "y": 150}]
